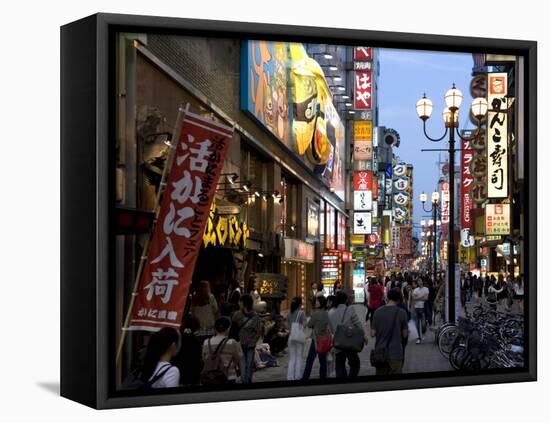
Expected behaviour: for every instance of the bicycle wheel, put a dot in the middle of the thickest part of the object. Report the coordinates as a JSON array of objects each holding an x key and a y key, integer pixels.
[
  {"x": 440, "y": 329},
  {"x": 456, "y": 356},
  {"x": 446, "y": 340}
]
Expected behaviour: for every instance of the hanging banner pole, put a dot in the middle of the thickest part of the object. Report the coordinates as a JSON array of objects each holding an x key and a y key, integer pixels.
[{"x": 169, "y": 160}]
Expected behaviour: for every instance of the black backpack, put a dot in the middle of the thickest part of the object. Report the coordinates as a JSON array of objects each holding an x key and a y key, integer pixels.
[
  {"x": 214, "y": 372},
  {"x": 135, "y": 382}
]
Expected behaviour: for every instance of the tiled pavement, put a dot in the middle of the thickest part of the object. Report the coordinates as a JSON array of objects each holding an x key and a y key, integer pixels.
[{"x": 424, "y": 357}]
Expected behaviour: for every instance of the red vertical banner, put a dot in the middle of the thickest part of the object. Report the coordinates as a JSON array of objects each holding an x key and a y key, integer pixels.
[
  {"x": 466, "y": 182},
  {"x": 198, "y": 160},
  {"x": 363, "y": 90}
]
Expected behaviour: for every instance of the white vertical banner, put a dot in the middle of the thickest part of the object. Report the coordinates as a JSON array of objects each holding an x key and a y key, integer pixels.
[
  {"x": 497, "y": 136},
  {"x": 445, "y": 202},
  {"x": 362, "y": 200}
]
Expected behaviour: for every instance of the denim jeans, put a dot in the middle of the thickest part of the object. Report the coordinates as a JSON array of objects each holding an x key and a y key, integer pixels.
[
  {"x": 309, "y": 363},
  {"x": 354, "y": 363},
  {"x": 247, "y": 364},
  {"x": 419, "y": 320}
]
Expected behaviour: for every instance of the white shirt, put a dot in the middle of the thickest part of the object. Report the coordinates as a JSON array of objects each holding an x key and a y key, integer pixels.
[
  {"x": 170, "y": 379},
  {"x": 517, "y": 289},
  {"x": 420, "y": 293}
]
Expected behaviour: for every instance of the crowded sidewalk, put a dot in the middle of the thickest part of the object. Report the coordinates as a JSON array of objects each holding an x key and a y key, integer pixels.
[{"x": 424, "y": 357}]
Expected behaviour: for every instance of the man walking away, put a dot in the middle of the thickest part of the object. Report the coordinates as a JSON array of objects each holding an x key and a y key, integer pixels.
[
  {"x": 248, "y": 327},
  {"x": 389, "y": 327}
]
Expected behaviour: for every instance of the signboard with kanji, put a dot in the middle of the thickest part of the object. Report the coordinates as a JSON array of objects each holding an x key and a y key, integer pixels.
[
  {"x": 363, "y": 90},
  {"x": 362, "y": 180},
  {"x": 466, "y": 183},
  {"x": 497, "y": 219},
  {"x": 497, "y": 136},
  {"x": 198, "y": 159},
  {"x": 362, "y": 223}
]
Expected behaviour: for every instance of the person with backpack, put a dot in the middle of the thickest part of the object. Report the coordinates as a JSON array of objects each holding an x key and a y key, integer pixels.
[
  {"x": 296, "y": 321},
  {"x": 321, "y": 342},
  {"x": 157, "y": 371},
  {"x": 248, "y": 329},
  {"x": 221, "y": 356},
  {"x": 390, "y": 328},
  {"x": 344, "y": 320}
]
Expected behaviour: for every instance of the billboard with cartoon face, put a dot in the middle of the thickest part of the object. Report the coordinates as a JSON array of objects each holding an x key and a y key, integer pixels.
[{"x": 285, "y": 91}]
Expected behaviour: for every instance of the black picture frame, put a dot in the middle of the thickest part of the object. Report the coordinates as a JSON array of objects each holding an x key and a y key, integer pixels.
[{"x": 87, "y": 174}]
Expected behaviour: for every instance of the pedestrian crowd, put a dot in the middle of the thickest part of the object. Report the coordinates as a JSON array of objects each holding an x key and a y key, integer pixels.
[
  {"x": 227, "y": 343},
  {"x": 502, "y": 292}
]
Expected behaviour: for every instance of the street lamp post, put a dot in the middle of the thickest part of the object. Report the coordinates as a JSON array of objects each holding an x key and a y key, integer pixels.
[
  {"x": 424, "y": 108},
  {"x": 433, "y": 239}
]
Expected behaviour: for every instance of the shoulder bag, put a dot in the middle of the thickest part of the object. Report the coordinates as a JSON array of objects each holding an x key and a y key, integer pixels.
[
  {"x": 297, "y": 333},
  {"x": 348, "y": 337}
]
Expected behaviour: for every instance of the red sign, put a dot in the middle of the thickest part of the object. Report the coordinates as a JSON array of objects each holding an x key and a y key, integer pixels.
[
  {"x": 346, "y": 257},
  {"x": 363, "y": 89},
  {"x": 375, "y": 187},
  {"x": 373, "y": 239},
  {"x": 466, "y": 182},
  {"x": 363, "y": 54},
  {"x": 177, "y": 236},
  {"x": 362, "y": 180}
]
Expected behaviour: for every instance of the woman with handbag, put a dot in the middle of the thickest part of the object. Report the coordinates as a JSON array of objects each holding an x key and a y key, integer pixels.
[
  {"x": 321, "y": 342},
  {"x": 296, "y": 320}
]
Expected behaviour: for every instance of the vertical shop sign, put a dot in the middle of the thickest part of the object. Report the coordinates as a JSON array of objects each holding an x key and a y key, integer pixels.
[
  {"x": 466, "y": 182},
  {"x": 445, "y": 197},
  {"x": 363, "y": 90},
  {"x": 362, "y": 180},
  {"x": 362, "y": 140},
  {"x": 362, "y": 200},
  {"x": 497, "y": 136},
  {"x": 362, "y": 223},
  {"x": 404, "y": 242},
  {"x": 395, "y": 242},
  {"x": 164, "y": 285}
]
